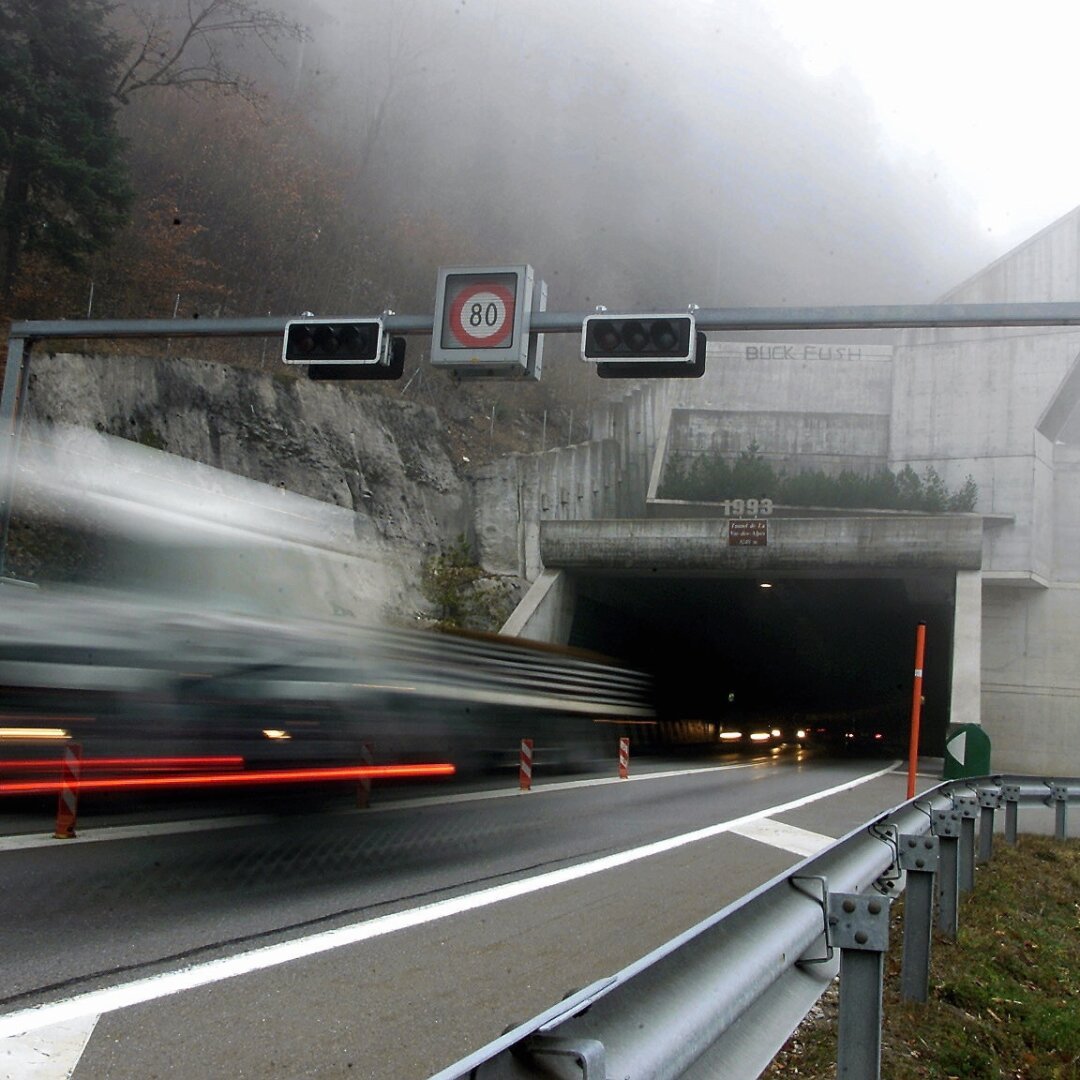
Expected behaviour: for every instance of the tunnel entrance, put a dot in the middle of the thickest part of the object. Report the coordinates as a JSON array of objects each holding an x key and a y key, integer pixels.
[{"x": 759, "y": 647}]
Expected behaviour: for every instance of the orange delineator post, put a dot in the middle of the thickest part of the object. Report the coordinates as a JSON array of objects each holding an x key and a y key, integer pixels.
[
  {"x": 916, "y": 708},
  {"x": 624, "y": 758},
  {"x": 525, "y": 771},
  {"x": 67, "y": 806}
]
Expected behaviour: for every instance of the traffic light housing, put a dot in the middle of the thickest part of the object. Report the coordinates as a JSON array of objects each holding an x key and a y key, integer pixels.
[
  {"x": 394, "y": 368},
  {"x": 343, "y": 349},
  {"x": 643, "y": 346}
]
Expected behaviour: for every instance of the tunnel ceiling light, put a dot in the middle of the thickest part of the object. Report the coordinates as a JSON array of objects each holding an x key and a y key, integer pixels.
[
  {"x": 765, "y": 585},
  {"x": 276, "y": 733}
]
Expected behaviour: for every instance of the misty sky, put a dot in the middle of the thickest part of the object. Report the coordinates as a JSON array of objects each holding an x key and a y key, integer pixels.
[
  {"x": 984, "y": 87},
  {"x": 718, "y": 152}
]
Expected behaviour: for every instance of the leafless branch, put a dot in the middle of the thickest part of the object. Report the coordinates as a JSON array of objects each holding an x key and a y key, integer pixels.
[{"x": 189, "y": 50}]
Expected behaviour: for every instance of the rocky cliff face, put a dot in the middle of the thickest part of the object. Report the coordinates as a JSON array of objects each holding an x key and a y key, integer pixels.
[{"x": 385, "y": 460}]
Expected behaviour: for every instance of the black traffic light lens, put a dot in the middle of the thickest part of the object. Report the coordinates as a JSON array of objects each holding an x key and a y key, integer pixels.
[
  {"x": 664, "y": 337},
  {"x": 606, "y": 336},
  {"x": 304, "y": 341},
  {"x": 326, "y": 340},
  {"x": 357, "y": 339},
  {"x": 635, "y": 336}
]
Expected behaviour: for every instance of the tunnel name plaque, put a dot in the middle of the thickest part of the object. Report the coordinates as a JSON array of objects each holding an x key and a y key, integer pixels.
[{"x": 748, "y": 532}]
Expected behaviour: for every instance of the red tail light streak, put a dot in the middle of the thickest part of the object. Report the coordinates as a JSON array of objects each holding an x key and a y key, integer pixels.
[{"x": 235, "y": 778}]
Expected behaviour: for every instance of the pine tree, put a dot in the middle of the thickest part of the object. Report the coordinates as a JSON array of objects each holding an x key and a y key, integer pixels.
[{"x": 65, "y": 189}]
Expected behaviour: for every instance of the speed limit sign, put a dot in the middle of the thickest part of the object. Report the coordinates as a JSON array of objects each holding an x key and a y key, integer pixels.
[
  {"x": 481, "y": 324},
  {"x": 482, "y": 316}
]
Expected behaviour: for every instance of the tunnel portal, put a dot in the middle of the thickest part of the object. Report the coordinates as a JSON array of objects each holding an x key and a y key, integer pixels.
[{"x": 813, "y": 624}]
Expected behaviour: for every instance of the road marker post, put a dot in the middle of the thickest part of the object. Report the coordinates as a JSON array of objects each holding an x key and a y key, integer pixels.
[
  {"x": 363, "y": 789},
  {"x": 525, "y": 770},
  {"x": 67, "y": 806},
  {"x": 624, "y": 758},
  {"x": 916, "y": 708}
]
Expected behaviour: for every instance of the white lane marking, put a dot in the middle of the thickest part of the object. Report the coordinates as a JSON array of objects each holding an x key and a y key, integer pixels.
[
  {"x": 787, "y": 837},
  {"x": 168, "y": 828},
  {"x": 173, "y": 982},
  {"x": 49, "y": 1053}
]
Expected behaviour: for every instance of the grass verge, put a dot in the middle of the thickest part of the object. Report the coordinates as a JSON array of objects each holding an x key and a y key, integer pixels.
[{"x": 1004, "y": 997}]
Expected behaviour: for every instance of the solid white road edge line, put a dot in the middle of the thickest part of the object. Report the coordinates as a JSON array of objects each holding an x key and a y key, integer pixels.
[
  {"x": 173, "y": 982},
  {"x": 172, "y": 828}
]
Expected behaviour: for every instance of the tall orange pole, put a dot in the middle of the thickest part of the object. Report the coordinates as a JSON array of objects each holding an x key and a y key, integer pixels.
[{"x": 916, "y": 709}]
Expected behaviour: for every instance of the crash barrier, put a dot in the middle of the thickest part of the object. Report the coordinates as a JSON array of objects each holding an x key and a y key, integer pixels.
[{"x": 721, "y": 999}]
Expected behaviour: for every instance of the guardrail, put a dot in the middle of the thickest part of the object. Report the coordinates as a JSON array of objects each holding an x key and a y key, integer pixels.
[{"x": 720, "y": 1000}]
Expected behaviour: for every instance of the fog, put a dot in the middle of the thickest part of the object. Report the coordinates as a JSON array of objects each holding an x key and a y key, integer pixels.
[{"x": 634, "y": 156}]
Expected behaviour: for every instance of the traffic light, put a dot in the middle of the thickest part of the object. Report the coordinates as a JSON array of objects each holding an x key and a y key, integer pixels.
[
  {"x": 343, "y": 349},
  {"x": 643, "y": 346}
]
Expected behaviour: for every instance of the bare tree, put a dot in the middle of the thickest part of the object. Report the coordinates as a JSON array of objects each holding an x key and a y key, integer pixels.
[{"x": 193, "y": 45}]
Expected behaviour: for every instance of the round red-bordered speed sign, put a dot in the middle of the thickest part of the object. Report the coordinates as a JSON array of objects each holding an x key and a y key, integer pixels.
[{"x": 482, "y": 316}]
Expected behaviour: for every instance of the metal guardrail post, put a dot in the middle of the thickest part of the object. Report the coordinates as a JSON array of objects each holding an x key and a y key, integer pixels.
[
  {"x": 1010, "y": 796},
  {"x": 947, "y": 830},
  {"x": 989, "y": 801},
  {"x": 1059, "y": 799},
  {"x": 968, "y": 808},
  {"x": 859, "y": 927},
  {"x": 919, "y": 857}
]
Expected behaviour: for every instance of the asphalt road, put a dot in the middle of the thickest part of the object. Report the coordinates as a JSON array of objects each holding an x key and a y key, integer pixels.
[{"x": 386, "y": 942}]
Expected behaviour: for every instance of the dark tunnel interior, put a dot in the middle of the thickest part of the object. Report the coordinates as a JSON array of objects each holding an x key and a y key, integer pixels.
[{"x": 722, "y": 649}]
